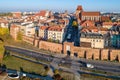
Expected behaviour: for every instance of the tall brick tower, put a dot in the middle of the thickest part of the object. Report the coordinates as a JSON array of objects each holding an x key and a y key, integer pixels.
[{"x": 78, "y": 12}]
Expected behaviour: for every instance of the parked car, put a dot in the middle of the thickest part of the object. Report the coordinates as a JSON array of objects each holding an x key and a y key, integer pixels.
[{"x": 13, "y": 75}]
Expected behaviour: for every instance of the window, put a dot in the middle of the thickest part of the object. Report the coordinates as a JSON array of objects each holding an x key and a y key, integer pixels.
[{"x": 96, "y": 40}]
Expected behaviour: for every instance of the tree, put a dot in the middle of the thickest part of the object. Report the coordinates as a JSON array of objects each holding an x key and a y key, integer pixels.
[
  {"x": 56, "y": 71},
  {"x": 57, "y": 41},
  {"x": 19, "y": 35},
  {"x": 75, "y": 24},
  {"x": 1, "y": 51},
  {"x": 46, "y": 70},
  {"x": 4, "y": 31},
  {"x": 57, "y": 77}
]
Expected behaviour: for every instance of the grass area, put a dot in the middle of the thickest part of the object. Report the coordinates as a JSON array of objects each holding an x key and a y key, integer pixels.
[
  {"x": 91, "y": 77},
  {"x": 67, "y": 75},
  {"x": 18, "y": 64},
  {"x": 26, "y": 45},
  {"x": 30, "y": 58},
  {"x": 99, "y": 71}
]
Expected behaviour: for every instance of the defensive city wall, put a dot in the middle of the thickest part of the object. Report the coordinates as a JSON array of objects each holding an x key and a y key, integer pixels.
[{"x": 82, "y": 52}]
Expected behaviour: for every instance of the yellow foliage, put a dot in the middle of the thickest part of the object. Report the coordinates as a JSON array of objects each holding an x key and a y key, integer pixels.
[
  {"x": 1, "y": 51},
  {"x": 75, "y": 23},
  {"x": 4, "y": 31}
]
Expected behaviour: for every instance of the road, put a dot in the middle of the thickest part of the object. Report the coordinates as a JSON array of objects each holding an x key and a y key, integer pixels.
[
  {"x": 74, "y": 31},
  {"x": 75, "y": 63}
]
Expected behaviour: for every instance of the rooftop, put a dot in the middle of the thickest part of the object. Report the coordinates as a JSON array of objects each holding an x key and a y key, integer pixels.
[
  {"x": 90, "y": 13},
  {"x": 91, "y": 35}
]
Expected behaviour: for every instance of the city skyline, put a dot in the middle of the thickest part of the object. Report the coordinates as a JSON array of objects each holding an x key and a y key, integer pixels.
[{"x": 54, "y": 5}]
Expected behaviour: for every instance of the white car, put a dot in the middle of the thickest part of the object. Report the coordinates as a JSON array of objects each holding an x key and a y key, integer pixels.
[
  {"x": 13, "y": 75},
  {"x": 89, "y": 66}
]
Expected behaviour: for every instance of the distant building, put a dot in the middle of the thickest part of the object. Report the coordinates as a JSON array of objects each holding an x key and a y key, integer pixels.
[
  {"x": 17, "y": 14},
  {"x": 107, "y": 25},
  {"x": 43, "y": 14},
  {"x": 3, "y": 23},
  {"x": 105, "y": 18}
]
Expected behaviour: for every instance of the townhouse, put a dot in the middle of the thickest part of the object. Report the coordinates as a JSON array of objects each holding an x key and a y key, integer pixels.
[
  {"x": 56, "y": 33},
  {"x": 95, "y": 40}
]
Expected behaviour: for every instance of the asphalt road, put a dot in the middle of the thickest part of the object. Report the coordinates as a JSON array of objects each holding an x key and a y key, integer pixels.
[{"x": 74, "y": 33}]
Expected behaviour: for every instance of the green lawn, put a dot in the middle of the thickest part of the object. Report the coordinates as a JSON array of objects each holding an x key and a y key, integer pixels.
[{"x": 17, "y": 63}]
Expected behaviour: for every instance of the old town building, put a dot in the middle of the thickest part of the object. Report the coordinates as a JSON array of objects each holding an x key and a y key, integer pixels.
[
  {"x": 85, "y": 15},
  {"x": 96, "y": 40},
  {"x": 14, "y": 29}
]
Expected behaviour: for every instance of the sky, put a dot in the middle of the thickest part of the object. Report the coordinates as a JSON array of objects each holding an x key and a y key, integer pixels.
[{"x": 59, "y": 5}]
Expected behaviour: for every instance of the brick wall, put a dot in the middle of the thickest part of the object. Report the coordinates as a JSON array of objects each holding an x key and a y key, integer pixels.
[
  {"x": 104, "y": 54},
  {"x": 82, "y": 52},
  {"x": 54, "y": 47},
  {"x": 95, "y": 54},
  {"x": 114, "y": 55},
  {"x": 29, "y": 40}
]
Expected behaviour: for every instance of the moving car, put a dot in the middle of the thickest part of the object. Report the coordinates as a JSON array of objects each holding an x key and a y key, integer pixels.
[{"x": 89, "y": 66}]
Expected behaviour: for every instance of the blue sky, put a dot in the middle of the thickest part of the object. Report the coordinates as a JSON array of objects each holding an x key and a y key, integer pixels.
[{"x": 60, "y": 5}]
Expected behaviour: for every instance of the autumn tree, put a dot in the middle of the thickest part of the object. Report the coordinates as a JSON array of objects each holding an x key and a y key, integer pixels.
[
  {"x": 4, "y": 31},
  {"x": 75, "y": 24},
  {"x": 19, "y": 35}
]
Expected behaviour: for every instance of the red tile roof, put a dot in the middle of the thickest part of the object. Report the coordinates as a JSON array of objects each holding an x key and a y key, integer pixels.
[
  {"x": 55, "y": 28},
  {"x": 3, "y": 21},
  {"x": 44, "y": 27},
  {"x": 87, "y": 23},
  {"x": 41, "y": 13},
  {"x": 107, "y": 23},
  {"x": 103, "y": 29},
  {"x": 13, "y": 26},
  {"x": 105, "y": 18},
  {"x": 90, "y": 13}
]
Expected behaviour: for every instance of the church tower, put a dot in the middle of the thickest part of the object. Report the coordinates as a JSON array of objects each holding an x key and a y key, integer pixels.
[{"x": 78, "y": 12}]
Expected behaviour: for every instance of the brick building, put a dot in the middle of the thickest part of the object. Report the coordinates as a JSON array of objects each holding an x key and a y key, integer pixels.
[
  {"x": 14, "y": 29},
  {"x": 85, "y": 15}
]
